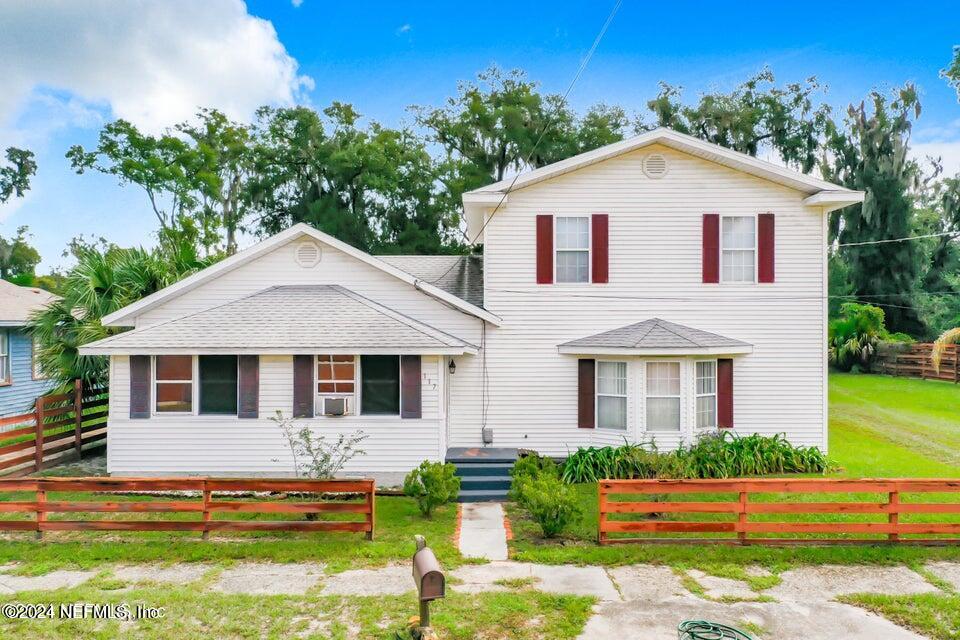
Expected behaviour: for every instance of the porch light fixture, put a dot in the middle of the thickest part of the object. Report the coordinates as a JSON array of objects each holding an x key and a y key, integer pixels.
[{"x": 453, "y": 367}]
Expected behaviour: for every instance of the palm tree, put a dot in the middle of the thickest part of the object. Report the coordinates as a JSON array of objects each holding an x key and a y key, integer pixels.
[{"x": 103, "y": 281}]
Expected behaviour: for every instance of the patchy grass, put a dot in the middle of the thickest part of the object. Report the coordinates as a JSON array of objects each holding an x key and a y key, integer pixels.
[
  {"x": 397, "y": 520},
  {"x": 934, "y": 615},
  {"x": 871, "y": 422},
  {"x": 193, "y": 612}
]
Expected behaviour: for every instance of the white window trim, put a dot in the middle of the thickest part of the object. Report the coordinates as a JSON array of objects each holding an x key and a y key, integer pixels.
[
  {"x": 647, "y": 396},
  {"x": 194, "y": 391},
  {"x": 756, "y": 251},
  {"x": 589, "y": 250},
  {"x": 696, "y": 396},
  {"x": 357, "y": 392},
  {"x": 6, "y": 369},
  {"x": 625, "y": 396}
]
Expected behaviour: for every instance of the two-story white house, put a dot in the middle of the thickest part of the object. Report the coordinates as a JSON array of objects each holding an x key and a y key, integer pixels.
[{"x": 653, "y": 289}]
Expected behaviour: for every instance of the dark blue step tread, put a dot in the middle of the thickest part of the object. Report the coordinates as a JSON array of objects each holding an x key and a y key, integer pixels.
[{"x": 474, "y": 472}]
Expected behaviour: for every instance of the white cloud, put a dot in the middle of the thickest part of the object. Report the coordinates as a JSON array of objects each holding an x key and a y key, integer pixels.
[
  {"x": 153, "y": 63},
  {"x": 402, "y": 29},
  {"x": 942, "y": 142}
]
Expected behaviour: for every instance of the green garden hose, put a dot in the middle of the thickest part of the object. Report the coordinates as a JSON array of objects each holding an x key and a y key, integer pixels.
[{"x": 703, "y": 630}]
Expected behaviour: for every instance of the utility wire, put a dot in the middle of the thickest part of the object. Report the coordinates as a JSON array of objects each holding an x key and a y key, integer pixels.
[
  {"x": 869, "y": 242},
  {"x": 543, "y": 132}
]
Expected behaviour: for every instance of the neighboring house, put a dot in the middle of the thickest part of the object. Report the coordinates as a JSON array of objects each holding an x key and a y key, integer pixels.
[
  {"x": 653, "y": 289},
  {"x": 20, "y": 379}
]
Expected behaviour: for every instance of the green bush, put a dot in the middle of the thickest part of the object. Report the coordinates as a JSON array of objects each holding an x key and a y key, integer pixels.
[
  {"x": 530, "y": 467},
  {"x": 549, "y": 501},
  {"x": 853, "y": 337},
  {"x": 432, "y": 484},
  {"x": 715, "y": 455}
]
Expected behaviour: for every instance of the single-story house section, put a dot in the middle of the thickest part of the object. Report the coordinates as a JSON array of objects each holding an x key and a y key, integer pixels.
[
  {"x": 655, "y": 289},
  {"x": 21, "y": 381}
]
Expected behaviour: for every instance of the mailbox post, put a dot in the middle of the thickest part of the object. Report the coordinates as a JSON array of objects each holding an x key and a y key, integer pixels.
[{"x": 429, "y": 578}]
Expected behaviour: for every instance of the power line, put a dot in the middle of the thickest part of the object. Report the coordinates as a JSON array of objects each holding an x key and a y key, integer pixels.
[
  {"x": 869, "y": 242},
  {"x": 543, "y": 132}
]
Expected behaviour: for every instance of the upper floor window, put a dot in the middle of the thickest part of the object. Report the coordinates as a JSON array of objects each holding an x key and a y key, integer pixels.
[
  {"x": 572, "y": 246},
  {"x": 4, "y": 356},
  {"x": 663, "y": 396},
  {"x": 707, "y": 394},
  {"x": 612, "y": 395},
  {"x": 738, "y": 249}
]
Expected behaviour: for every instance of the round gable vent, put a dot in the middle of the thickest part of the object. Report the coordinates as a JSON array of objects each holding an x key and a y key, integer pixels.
[
  {"x": 655, "y": 166},
  {"x": 307, "y": 254}
]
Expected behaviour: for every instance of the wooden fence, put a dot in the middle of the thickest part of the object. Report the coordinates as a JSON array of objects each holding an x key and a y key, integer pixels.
[
  {"x": 614, "y": 499},
  {"x": 914, "y": 362},
  {"x": 204, "y": 503},
  {"x": 59, "y": 424}
]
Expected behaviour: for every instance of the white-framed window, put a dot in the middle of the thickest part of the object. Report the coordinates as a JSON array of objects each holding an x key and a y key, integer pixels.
[
  {"x": 663, "y": 396},
  {"x": 572, "y": 246},
  {"x": 173, "y": 382},
  {"x": 706, "y": 392},
  {"x": 337, "y": 378},
  {"x": 196, "y": 385},
  {"x": 738, "y": 249},
  {"x": 611, "y": 395},
  {"x": 4, "y": 356}
]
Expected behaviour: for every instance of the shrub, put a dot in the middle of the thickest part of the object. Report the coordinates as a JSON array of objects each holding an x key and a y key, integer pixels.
[
  {"x": 854, "y": 336},
  {"x": 313, "y": 456},
  {"x": 716, "y": 455},
  {"x": 527, "y": 468},
  {"x": 432, "y": 484},
  {"x": 550, "y": 502}
]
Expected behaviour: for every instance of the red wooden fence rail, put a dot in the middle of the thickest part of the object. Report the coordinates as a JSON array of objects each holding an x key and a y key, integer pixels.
[
  {"x": 48, "y": 425},
  {"x": 205, "y": 504},
  {"x": 614, "y": 498}
]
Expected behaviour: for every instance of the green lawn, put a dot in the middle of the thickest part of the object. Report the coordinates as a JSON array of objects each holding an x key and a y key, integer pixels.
[{"x": 874, "y": 421}]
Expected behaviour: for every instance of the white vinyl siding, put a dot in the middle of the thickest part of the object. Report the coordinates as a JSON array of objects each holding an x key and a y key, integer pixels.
[
  {"x": 611, "y": 395},
  {"x": 663, "y": 396},
  {"x": 706, "y": 390},
  {"x": 572, "y": 246},
  {"x": 738, "y": 249},
  {"x": 656, "y": 268}
]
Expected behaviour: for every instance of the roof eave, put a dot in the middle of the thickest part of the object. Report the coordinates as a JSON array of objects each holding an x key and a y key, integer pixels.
[
  {"x": 832, "y": 200},
  {"x": 94, "y": 350},
  {"x": 655, "y": 351}
]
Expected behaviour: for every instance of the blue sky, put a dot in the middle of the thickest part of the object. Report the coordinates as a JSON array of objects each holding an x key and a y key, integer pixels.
[{"x": 77, "y": 65}]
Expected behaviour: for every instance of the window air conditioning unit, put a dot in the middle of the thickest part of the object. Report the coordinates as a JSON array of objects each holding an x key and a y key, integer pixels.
[{"x": 335, "y": 406}]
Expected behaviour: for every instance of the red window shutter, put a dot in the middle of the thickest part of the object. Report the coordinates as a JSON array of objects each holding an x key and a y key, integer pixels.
[
  {"x": 410, "y": 404},
  {"x": 586, "y": 418},
  {"x": 303, "y": 386},
  {"x": 249, "y": 387},
  {"x": 139, "y": 386},
  {"x": 725, "y": 393},
  {"x": 600, "y": 237},
  {"x": 766, "y": 247},
  {"x": 711, "y": 247},
  {"x": 545, "y": 249}
]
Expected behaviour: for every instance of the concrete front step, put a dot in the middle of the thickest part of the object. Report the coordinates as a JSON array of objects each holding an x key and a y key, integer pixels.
[
  {"x": 489, "y": 483},
  {"x": 482, "y": 495}
]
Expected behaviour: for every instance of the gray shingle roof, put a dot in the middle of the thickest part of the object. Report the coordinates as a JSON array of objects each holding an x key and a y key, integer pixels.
[
  {"x": 461, "y": 276},
  {"x": 655, "y": 335},
  {"x": 17, "y": 303},
  {"x": 288, "y": 320}
]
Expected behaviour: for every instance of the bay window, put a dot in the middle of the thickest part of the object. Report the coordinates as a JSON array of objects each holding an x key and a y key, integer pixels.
[
  {"x": 706, "y": 392},
  {"x": 738, "y": 249},
  {"x": 572, "y": 246},
  {"x": 663, "y": 396},
  {"x": 612, "y": 395}
]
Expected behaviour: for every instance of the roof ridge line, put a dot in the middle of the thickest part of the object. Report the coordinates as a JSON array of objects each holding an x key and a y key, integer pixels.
[{"x": 679, "y": 335}]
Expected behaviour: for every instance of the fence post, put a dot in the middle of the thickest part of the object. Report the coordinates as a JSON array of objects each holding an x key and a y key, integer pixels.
[
  {"x": 602, "y": 511},
  {"x": 372, "y": 511},
  {"x": 893, "y": 517},
  {"x": 207, "y": 495},
  {"x": 41, "y": 511},
  {"x": 78, "y": 417},
  {"x": 38, "y": 436},
  {"x": 956, "y": 360},
  {"x": 742, "y": 518}
]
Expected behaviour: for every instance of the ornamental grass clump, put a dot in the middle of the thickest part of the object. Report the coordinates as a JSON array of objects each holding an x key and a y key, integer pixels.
[{"x": 431, "y": 485}]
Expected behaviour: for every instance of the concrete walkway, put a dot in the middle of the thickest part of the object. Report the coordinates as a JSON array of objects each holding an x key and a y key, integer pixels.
[{"x": 482, "y": 534}]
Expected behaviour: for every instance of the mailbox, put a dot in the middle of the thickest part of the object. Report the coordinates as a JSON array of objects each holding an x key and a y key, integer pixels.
[{"x": 427, "y": 575}]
